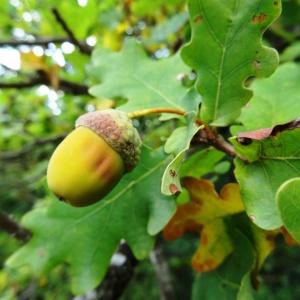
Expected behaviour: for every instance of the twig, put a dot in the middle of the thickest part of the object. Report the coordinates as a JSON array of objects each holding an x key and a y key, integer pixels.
[
  {"x": 10, "y": 226},
  {"x": 220, "y": 143},
  {"x": 39, "y": 42},
  {"x": 22, "y": 84},
  {"x": 118, "y": 276},
  {"x": 162, "y": 271},
  {"x": 11, "y": 155},
  {"x": 73, "y": 88},
  {"x": 210, "y": 136},
  {"x": 83, "y": 48},
  {"x": 7, "y": 68},
  {"x": 40, "y": 78}
]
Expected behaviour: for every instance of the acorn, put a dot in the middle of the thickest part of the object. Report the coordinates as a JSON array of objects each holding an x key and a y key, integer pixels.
[{"x": 92, "y": 159}]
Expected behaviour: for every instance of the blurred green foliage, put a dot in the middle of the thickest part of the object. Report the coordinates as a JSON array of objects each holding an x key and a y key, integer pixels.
[{"x": 33, "y": 119}]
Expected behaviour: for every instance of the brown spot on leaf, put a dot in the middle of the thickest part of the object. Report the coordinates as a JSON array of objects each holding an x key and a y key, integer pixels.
[
  {"x": 258, "y": 19},
  {"x": 249, "y": 80},
  {"x": 276, "y": 3},
  {"x": 257, "y": 64},
  {"x": 173, "y": 188},
  {"x": 173, "y": 173},
  {"x": 192, "y": 225},
  {"x": 172, "y": 233},
  {"x": 206, "y": 266},
  {"x": 198, "y": 19},
  {"x": 204, "y": 239}
]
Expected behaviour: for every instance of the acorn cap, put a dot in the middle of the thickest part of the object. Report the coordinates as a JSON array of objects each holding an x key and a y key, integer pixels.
[{"x": 115, "y": 127}]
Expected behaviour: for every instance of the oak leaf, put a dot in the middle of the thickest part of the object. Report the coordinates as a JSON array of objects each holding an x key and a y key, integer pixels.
[{"x": 204, "y": 214}]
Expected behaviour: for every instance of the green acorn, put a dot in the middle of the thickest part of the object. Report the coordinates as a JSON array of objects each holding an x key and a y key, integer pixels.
[{"x": 92, "y": 159}]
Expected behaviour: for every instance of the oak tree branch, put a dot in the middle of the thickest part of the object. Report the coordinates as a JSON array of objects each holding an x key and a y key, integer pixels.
[
  {"x": 163, "y": 274},
  {"x": 118, "y": 276},
  {"x": 12, "y": 155},
  {"x": 44, "y": 42},
  {"x": 10, "y": 226},
  {"x": 41, "y": 78},
  {"x": 84, "y": 48}
]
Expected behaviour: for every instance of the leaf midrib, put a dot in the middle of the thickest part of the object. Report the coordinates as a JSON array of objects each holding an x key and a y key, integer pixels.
[
  {"x": 224, "y": 47},
  {"x": 156, "y": 91},
  {"x": 117, "y": 196}
]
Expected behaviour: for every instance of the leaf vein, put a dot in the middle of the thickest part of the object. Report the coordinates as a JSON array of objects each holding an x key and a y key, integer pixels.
[{"x": 150, "y": 87}]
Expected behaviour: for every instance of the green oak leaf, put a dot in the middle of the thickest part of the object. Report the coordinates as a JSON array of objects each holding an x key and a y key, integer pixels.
[
  {"x": 288, "y": 201},
  {"x": 144, "y": 82},
  {"x": 226, "y": 50},
  {"x": 276, "y": 160},
  {"x": 177, "y": 144},
  {"x": 246, "y": 290},
  {"x": 229, "y": 281},
  {"x": 72, "y": 14},
  {"x": 201, "y": 163},
  {"x": 276, "y": 100},
  {"x": 251, "y": 154},
  {"x": 86, "y": 238},
  {"x": 162, "y": 31}
]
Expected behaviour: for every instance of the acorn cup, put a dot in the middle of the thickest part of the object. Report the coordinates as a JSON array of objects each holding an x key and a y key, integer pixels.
[{"x": 92, "y": 159}]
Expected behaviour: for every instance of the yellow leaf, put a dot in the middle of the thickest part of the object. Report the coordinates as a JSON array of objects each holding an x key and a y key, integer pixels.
[
  {"x": 32, "y": 62},
  {"x": 3, "y": 280},
  {"x": 205, "y": 206},
  {"x": 264, "y": 243},
  {"x": 52, "y": 73},
  {"x": 105, "y": 103},
  {"x": 215, "y": 246},
  {"x": 204, "y": 214},
  {"x": 122, "y": 27},
  {"x": 43, "y": 281},
  {"x": 112, "y": 40}
]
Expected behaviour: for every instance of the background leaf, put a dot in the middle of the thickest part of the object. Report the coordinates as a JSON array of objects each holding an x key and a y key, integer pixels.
[
  {"x": 201, "y": 162},
  {"x": 227, "y": 280},
  {"x": 276, "y": 100},
  {"x": 144, "y": 82},
  {"x": 129, "y": 212},
  {"x": 291, "y": 52},
  {"x": 215, "y": 246},
  {"x": 204, "y": 214},
  {"x": 288, "y": 201},
  {"x": 225, "y": 50}
]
